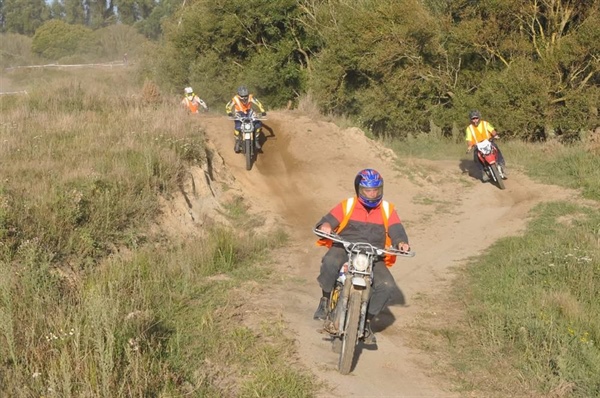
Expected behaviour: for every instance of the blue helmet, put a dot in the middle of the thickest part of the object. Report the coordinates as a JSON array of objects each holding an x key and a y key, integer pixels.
[{"x": 368, "y": 185}]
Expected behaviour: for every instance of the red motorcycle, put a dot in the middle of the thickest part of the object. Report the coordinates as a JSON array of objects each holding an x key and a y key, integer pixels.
[{"x": 488, "y": 154}]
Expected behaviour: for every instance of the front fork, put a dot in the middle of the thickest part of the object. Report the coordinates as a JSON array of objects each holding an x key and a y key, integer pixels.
[
  {"x": 364, "y": 303},
  {"x": 338, "y": 302},
  {"x": 335, "y": 323}
]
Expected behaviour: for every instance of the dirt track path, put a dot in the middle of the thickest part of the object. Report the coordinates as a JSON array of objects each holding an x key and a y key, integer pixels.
[{"x": 306, "y": 168}]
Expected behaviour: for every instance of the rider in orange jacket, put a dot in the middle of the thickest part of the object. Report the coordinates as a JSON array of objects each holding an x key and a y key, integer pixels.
[
  {"x": 191, "y": 101},
  {"x": 242, "y": 103},
  {"x": 372, "y": 220}
]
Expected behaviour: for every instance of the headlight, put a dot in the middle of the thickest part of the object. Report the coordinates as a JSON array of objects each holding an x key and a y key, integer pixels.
[
  {"x": 485, "y": 147},
  {"x": 361, "y": 262},
  {"x": 248, "y": 126}
]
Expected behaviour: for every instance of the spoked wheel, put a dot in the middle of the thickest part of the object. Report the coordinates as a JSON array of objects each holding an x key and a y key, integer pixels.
[
  {"x": 497, "y": 176},
  {"x": 336, "y": 345},
  {"x": 248, "y": 151},
  {"x": 350, "y": 336}
]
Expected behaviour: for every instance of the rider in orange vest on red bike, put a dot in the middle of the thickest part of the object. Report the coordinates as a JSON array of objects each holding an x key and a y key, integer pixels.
[{"x": 477, "y": 131}]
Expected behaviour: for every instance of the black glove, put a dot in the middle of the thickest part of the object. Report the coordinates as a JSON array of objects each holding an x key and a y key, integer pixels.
[
  {"x": 264, "y": 114},
  {"x": 230, "y": 114}
]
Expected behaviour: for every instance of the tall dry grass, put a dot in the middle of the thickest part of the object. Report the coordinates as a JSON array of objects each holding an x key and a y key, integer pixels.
[{"x": 92, "y": 303}]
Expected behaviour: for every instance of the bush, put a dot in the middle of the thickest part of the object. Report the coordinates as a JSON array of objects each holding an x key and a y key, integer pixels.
[
  {"x": 14, "y": 50},
  {"x": 56, "y": 39}
]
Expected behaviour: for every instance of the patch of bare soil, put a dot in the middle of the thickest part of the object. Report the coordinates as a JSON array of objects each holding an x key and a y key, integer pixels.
[{"x": 306, "y": 167}]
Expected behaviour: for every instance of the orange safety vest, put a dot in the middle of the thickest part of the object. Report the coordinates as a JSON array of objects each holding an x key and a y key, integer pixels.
[
  {"x": 475, "y": 130},
  {"x": 191, "y": 104},
  {"x": 348, "y": 206},
  {"x": 240, "y": 106}
]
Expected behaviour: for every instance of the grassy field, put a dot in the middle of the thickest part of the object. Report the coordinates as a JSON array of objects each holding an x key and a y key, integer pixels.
[
  {"x": 526, "y": 314},
  {"x": 93, "y": 303}
]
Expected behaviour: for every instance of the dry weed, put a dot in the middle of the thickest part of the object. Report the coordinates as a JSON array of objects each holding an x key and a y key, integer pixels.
[
  {"x": 592, "y": 142},
  {"x": 150, "y": 92}
]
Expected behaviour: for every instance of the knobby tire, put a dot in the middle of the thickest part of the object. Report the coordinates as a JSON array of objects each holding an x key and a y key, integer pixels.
[
  {"x": 497, "y": 177},
  {"x": 248, "y": 146},
  {"x": 350, "y": 336}
]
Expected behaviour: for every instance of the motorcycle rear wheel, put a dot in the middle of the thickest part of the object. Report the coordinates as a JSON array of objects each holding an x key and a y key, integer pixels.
[{"x": 350, "y": 336}]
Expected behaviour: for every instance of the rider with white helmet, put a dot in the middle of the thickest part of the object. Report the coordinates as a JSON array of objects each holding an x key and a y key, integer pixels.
[{"x": 191, "y": 101}]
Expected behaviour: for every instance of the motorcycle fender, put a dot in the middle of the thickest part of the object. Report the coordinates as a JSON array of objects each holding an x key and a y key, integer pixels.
[
  {"x": 357, "y": 281},
  {"x": 489, "y": 159},
  {"x": 247, "y": 136}
]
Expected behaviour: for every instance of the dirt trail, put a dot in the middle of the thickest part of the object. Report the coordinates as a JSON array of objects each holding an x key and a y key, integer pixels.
[{"x": 307, "y": 167}]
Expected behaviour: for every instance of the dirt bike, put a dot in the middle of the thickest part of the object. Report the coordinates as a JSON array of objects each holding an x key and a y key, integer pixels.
[
  {"x": 349, "y": 300},
  {"x": 248, "y": 135},
  {"x": 487, "y": 154}
]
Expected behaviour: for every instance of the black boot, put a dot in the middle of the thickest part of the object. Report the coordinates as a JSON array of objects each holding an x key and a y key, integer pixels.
[
  {"x": 238, "y": 145},
  {"x": 322, "y": 309},
  {"x": 257, "y": 139},
  {"x": 369, "y": 337}
]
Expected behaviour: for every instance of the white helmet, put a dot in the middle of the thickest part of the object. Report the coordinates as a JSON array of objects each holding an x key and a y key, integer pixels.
[{"x": 189, "y": 90}]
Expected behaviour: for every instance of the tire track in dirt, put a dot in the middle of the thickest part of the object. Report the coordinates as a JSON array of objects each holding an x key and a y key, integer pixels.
[{"x": 307, "y": 167}]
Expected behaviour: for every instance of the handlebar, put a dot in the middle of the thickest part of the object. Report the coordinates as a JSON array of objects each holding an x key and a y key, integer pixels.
[
  {"x": 251, "y": 115},
  {"x": 242, "y": 118},
  {"x": 352, "y": 245}
]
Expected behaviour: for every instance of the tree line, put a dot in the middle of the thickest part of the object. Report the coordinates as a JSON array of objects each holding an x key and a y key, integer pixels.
[
  {"x": 26, "y": 16},
  {"x": 395, "y": 66}
]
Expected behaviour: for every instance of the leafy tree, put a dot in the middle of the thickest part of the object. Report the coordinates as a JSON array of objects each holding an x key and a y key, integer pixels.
[
  {"x": 57, "y": 10},
  {"x": 132, "y": 11},
  {"x": 378, "y": 63},
  {"x": 24, "y": 16},
  {"x": 219, "y": 44},
  {"x": 74, "y": 12},
  {"x": 56, "y": 39},
  {"x": 559, "y": 38},
  {"x": 113, "y": 41},
  {"x": 151, "y": 26},
  {"x": 2, "y": 20},
  {"x": 99, "y": 13}
]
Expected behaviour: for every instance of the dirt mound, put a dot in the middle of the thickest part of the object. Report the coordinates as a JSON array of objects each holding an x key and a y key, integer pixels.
[{"x": 306, "y": 168}]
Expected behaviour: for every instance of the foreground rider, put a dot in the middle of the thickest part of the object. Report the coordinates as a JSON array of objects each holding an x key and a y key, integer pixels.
[
  {"x": 191, "y": 101},
  {"x": 477, "y": 131},
  {"x": 363, "y": 218},
  {"x": 242, "y": 103}
]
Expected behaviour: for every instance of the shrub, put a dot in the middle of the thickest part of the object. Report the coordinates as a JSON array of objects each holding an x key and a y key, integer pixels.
[{"x": 56, "y": 39}]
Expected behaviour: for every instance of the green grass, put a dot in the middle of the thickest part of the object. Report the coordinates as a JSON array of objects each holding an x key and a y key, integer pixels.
[
  {"x": 532, "y": 303},
  {"x": 94, "y": 301},
  {"x": 574, "y": 166},
  {"x": 525, "y": 316}
]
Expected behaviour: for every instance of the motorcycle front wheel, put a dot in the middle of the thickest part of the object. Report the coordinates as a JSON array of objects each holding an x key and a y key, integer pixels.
[
  {"x": 496, "y": 176},
  {"x": 248, "y": 147},
  {"x": 350, "y": 336}
]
